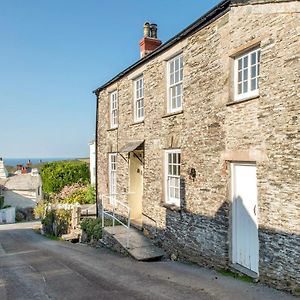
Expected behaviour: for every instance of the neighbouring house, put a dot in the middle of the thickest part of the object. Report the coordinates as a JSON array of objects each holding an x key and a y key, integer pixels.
[
  {"x": 92, "y": 162},
  {"x": 24, "y": 190},
  {"x": 3, "y": 171},
  {"x": 203, "y": 134}
]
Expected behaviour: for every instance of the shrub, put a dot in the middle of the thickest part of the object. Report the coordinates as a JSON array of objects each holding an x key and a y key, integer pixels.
[
  {"x": 1, "y": 201},
  {"x": 92, "y": 227},
  {"x": 77, "y": 197},
  {"x": 86, "y": 195},
  {"x": 40, "y": 210},
  {"x": 56, "y": 175},
  {"x": 20, "y": 217},
  {"x": 27, "y": 213},
  {"x": 57, "y": 222},
  {"x": 90, "y": 194}
]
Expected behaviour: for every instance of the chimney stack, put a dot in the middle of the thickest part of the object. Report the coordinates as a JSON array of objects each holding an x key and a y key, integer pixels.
[{"x": 150, "y": 41}]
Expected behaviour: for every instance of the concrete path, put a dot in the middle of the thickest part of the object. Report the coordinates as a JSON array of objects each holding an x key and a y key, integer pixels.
[
  {"x": 134, "y": 243},
  {"x": 34, "y": 267}
]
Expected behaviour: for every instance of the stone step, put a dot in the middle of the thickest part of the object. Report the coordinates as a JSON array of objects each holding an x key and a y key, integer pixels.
[
  {"x": 74, "y": 235},
  {"x": 139, "y": 246}
]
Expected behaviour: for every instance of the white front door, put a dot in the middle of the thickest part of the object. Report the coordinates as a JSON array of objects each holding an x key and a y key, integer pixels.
[
  {"x": 135, "y": 196},
  {"x": 245, "y": 245}
]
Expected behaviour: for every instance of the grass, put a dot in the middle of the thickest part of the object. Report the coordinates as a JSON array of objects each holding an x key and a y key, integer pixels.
[
  {"x": 53, "y": 237},
  {"x": 48, "y": 236},
  {"x": 238, "y": 276}
]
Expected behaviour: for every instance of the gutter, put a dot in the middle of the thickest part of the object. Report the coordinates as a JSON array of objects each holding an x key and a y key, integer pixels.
[{"x": 213, "y": 14}]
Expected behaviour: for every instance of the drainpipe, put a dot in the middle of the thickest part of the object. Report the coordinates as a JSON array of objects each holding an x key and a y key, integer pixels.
[{"x": 96, "y": 154}]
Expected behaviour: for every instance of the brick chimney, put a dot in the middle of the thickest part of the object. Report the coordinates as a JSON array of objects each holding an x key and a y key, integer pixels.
[{"x": 150, "y": 41}]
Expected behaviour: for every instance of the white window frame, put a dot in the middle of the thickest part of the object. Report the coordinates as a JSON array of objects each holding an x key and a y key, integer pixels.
[
  {"x": 172, "y": 180},
  {"x": 174, "y": 84},
  {"x": 112, "y": 176},
  {"x": 239, "y": 75},
  {"x": 113, "y": 115},
  {"x": 138, "y": 92}
]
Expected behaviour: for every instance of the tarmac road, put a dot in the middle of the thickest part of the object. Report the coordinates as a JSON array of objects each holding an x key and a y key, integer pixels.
[{"x": 34, "y": 267}]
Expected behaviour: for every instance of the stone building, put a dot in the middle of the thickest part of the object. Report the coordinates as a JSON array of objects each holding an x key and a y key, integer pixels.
[
  {"x": 92, "y": 146},
  {"x": 202, "y": 134},
  {"x": 24, "y": 190}
]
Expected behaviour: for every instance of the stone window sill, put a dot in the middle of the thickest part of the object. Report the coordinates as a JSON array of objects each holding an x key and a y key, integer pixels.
[
  {"x": 112, "y": 129},
  {"x": 173, "y": 114},
  {"x": 242, "y": 101},
  {"x": 137, "y": 123},
  {"x": 172, "y": 207}
]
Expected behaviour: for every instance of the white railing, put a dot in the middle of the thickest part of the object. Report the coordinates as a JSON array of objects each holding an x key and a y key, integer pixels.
[{"x": 114, "y": 204}]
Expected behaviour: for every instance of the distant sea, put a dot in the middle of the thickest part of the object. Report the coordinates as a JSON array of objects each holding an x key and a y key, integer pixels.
[{"x": 22, "y": 161}]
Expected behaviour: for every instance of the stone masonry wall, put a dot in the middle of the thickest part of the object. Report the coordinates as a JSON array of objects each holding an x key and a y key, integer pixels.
[{"x": 212, "y": 131}]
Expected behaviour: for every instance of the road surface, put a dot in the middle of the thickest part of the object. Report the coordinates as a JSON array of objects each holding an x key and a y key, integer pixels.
[{"x": 34, "y": 267}]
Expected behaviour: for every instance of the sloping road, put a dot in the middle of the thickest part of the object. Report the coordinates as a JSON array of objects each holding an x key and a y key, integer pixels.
[{"x": 33, "y": 267}]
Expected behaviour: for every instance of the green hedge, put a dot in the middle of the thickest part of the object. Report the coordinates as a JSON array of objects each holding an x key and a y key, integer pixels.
[{"x": 56, "y": 175}]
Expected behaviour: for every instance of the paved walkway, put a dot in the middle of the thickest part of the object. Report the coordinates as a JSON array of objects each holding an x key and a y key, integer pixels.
[{"x": 33, "y": 267}]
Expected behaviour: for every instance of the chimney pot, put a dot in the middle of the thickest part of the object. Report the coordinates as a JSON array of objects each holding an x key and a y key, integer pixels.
[
  {"x": 153, "y": 31},
  {"x": 150, "y": 41},
  {"x": 147, "y": 29}
]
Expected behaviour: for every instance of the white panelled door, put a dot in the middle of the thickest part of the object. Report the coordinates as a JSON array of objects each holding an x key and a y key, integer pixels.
[{"x": 245, "y": 245}]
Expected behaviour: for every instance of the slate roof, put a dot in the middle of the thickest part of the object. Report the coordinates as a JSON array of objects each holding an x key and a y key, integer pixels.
[{"x": 24, "y": 182}]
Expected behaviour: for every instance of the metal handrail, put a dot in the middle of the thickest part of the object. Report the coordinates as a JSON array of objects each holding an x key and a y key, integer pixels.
[{"x": 115, "y": 203}]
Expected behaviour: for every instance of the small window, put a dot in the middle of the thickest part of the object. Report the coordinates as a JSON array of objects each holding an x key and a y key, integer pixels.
[
  {"x": 114, "y": 110},
  {"x": 246, "y": 79},
  {"x": 175, "y": 77},
  {"x": 139, "y": 99},
  {"x": 172, "y": 176},
  {"x": 112, "y": 177}
]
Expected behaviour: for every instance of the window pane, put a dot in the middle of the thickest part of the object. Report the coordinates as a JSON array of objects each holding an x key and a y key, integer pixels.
[
  {"x": 253, "y": 58},
  {"x": 239, "y": 76},
  {"x": 176, "y": 76},
  {"x": 240, "y": 64},
  {"x": 174, "y": 158},
  {"x": 253, "y": 84},
  {"x": 172, "y": 194},
  {"x": 245, "y": 74},
  {"x": 174, "y": 103},
  {"x": 178, "y": 102},
  {"x": 245, "y": 61},
  {"x": 245, "y": 87},
  {"x": 174, "y": 170},
  {"x": 172, "y": 78},
  {"x": 253, "y": 71},
  {"x": 239, "y": 88},
  {"x": 178, "y": 89},
  {"x": 177, "y": 64}
]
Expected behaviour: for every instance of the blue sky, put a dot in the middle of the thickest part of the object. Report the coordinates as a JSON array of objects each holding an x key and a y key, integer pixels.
[{"x": 54, "y": 53}]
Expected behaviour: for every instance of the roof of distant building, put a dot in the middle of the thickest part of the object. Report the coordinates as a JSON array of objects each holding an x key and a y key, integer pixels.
[{"x": 24, "y": 182}]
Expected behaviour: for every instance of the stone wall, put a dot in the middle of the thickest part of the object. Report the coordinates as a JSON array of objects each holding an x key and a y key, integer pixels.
[{"x": 212, "y": 131}]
